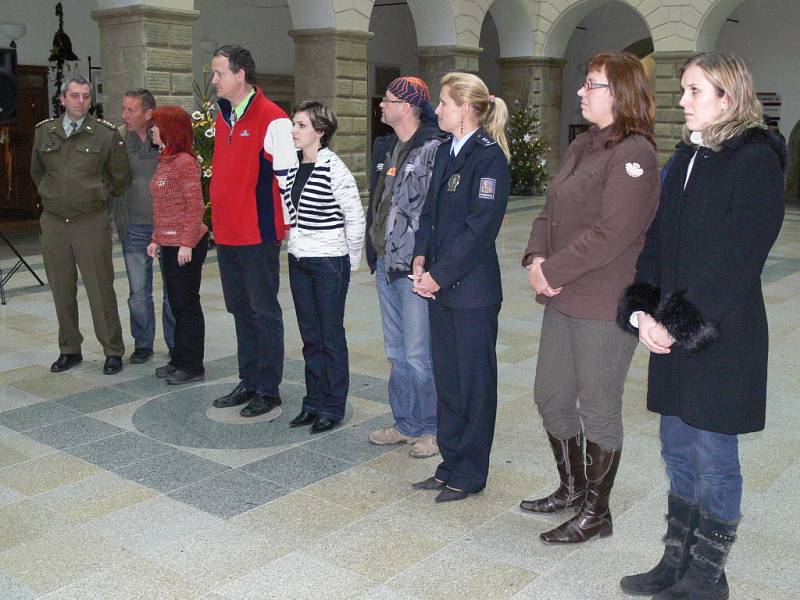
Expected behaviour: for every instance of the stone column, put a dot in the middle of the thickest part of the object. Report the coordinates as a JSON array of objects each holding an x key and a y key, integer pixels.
[
  {"x": 435, "y": 61},
  {"x": 146, "y": 46},
  {"x": 538, "y": 78},
  {"x": 669, "y": 114},
  {"x": 331, "y": 66}
]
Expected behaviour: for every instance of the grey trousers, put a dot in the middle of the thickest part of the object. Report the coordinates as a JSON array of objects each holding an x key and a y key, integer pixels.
[{"x": 580, "y": 377}]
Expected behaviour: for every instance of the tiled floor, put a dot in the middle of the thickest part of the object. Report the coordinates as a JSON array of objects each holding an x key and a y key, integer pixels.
[{"x": 123, "y": 487}]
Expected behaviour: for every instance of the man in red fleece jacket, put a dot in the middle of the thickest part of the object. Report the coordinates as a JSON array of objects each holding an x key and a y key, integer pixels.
[{"x": 252, "y": 153}]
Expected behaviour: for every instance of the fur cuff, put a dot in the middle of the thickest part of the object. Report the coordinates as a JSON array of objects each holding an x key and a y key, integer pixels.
[
  {"x": 685, "y": 323},
  {"x": 638, "y": 296}
]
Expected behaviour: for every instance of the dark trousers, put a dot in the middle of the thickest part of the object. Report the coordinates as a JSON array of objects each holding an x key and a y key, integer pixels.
[
  {"x": 465, "y": 370},
  {"x": 250, "y": 280},
  {"x": 319, "y": 288},
  {"x": 183, "y": 291},
  {"x": 82, "y": 242}
]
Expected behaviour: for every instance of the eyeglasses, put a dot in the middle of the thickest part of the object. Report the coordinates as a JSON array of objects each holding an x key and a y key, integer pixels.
[
  {"x": 390, "y": 101},
  {"x": 591, "y": 85}
]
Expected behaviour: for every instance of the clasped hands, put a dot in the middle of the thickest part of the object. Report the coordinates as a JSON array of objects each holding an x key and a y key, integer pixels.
[
  {"x": 654, "y": 335},
  {"x": 184, "y": 253},
  {"x": 424, "y": 284},
  {"x": 538, "y": 281}
]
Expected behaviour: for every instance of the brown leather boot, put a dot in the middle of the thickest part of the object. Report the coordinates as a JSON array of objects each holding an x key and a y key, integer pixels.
[
  {"x": 594, "y": 517},
  {"x": 572, "y": 472}
]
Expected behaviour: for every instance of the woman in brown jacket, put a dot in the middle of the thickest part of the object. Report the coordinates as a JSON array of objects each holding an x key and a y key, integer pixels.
[{"x": 580, "y": 256}]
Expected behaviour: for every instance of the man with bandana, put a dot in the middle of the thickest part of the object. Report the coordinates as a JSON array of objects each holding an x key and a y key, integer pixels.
[{"x": 402, "y": 164}]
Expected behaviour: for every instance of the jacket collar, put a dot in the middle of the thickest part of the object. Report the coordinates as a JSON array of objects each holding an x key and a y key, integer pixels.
[
  {"x": 596, "y": 138},
  {"x": 225, "y": 106}
]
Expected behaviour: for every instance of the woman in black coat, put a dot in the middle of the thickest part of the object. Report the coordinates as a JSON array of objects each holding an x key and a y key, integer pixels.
[{"x": 699, "y": 309}]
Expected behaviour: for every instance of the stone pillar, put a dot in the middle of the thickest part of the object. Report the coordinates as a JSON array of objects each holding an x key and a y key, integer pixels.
[
  {"x": 331, "y": 66},
  {"x": 539, "y": 78},
  {"x": 669, "y": 114},
  {"x": 435, "y": 61},
  {"x": 146, "y": 46}
]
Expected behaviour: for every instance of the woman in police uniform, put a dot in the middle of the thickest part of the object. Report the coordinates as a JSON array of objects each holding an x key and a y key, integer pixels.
[{"x": 456, "y": 267}]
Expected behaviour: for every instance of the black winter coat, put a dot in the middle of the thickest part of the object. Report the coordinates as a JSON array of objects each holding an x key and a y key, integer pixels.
[{"x": 699, "y": 275}]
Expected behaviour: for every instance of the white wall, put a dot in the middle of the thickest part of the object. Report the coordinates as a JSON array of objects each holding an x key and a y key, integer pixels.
[
  {"x": 767, "y": 38},
  {"x": 612, "y": 27},
  {"x": 394, "y": 41},
  {"x": 40, "y": 17},
  {"x": 263, "y": 31}
]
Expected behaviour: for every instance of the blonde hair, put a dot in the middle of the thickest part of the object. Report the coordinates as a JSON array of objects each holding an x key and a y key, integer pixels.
[
  {"x": 731, "y": 77},
  {"x": 466, "y": 88}
]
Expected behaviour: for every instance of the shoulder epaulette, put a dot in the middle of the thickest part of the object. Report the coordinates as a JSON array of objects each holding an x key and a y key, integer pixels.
[
  {"x": 111, "y": 126},
  {"x": 484, "y": 140},
  {"x": 45, "y": 121}
]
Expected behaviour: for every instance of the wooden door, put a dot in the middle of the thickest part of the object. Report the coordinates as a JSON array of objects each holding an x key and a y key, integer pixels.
[{"x": 18, "y": 197}]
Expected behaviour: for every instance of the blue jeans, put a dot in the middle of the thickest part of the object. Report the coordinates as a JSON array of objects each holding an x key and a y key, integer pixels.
[
  {"x": 250, "y": 280},
  {"x": 319, "y": 289},
  {"x": 703, "y": 467},
  {"x": 139, "y": 267},
  {"x": 407, "y": 342}
]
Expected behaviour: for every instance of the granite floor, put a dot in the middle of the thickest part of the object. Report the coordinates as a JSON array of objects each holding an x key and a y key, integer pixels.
[{"x": 123, "y": 487}]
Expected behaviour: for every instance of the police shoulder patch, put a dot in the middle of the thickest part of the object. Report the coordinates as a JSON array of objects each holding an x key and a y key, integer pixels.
[
  {"x": 45, "y": 121},
  {"x": 484, "y": 140},
  {"x": 487, "y": 188},
  {"x": 111, "y": 126}
]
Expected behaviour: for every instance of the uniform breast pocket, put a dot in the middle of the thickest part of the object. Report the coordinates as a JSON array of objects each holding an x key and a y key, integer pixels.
[
  {"x": 49, "y": 154},
  {"x": 86, "y": 159},
  {"x": 589, "y": 184}
]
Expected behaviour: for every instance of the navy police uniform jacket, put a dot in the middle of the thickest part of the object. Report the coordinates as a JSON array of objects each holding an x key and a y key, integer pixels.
[{"x": 463, "y": 213}]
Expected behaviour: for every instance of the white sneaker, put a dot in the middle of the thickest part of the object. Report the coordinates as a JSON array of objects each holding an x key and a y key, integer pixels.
[{"x": 388, "y": 436}]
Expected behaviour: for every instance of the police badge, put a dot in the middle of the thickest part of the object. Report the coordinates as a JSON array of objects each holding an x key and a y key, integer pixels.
[{"x": 453, "y": 182}]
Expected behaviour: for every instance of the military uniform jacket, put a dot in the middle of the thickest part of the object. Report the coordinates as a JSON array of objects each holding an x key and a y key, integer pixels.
[
  {"x": 76, "y": 175},
  {"x": 463, "y": 213}
]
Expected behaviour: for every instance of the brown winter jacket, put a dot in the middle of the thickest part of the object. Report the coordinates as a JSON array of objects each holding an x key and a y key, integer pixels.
[{"x": 593, "y": 225}]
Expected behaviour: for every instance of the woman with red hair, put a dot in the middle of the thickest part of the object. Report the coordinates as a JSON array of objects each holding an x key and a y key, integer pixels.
[{"x": 181, "y": 237}]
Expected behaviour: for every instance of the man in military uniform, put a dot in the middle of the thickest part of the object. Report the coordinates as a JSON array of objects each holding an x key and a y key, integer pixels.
[{"x": 77, "y": 163}]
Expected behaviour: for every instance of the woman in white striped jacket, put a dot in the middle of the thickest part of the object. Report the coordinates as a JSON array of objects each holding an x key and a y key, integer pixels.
[{"x": 325, "y": 239}]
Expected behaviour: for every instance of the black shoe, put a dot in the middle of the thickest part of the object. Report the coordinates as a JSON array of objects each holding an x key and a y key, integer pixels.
[
  {"x": 141, "y": 355},
  {"x": 113, "y": 365},
  {"x": 259, "y": 405},
  {"x": 304, "y": 418},
  {"x": 451, "y": 495},
  {"x": 431, "y": 483},
  {"x": 239, "y": 395},
  {"x": 180, "y": 376},
  {"x": 323, "y": 424},
  {"x": 65, "y": 361},
  {"x": 165, "y": 371}
]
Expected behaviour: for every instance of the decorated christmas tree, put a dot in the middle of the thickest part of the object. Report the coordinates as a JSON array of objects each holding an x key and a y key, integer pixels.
[{"x": 528, "y": 174}]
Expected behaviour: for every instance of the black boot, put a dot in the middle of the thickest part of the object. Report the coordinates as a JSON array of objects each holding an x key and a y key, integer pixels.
[
  {"x": 572, "y": 472},
  {"x": 681, "y": 522},
  {"x": 594, "y": 517},
  {"x": 705, "y": 577}
]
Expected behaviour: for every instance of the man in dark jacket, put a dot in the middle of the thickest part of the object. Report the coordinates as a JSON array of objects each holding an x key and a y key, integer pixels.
[{"x": 402, "y": 164}]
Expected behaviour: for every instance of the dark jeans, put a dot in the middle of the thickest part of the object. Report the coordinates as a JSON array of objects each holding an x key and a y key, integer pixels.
[
  {"x": 703, "y": 467},
  {"x": 183, "y": 290},
  {"x": 250, "y": 280},
  {"x": 319, "y": 288}
]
